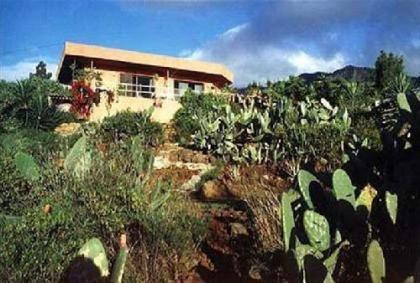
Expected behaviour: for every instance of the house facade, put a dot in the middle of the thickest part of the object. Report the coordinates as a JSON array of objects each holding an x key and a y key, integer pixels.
[{"x": 139, "y": 78}]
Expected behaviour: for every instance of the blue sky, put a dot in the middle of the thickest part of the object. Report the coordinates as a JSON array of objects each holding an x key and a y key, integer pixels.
[{"x": 258, "y": 40}]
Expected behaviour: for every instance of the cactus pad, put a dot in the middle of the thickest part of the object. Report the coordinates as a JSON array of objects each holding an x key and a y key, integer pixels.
[
  {"x": 287, "y": 219},
  {"x": 343, "y": 188},
  {"x": 391, "y": 201},
  {"x": 376, "y": 262},
  {"x": 317, "y": 230},
  {"x": 27, "y": 166},
  {"x": 94, "y": 250},
  {"x": 304, "y": 180}
]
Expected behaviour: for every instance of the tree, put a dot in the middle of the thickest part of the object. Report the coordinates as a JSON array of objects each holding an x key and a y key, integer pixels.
[
  {"x": 387, "y": 67},
  {"x": 41, "y": 71}
]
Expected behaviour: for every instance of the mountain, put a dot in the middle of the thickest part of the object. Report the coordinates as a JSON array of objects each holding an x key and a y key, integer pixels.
[
  {"x": 360, "y": 74},
  {"x": 348, "y": 72}
]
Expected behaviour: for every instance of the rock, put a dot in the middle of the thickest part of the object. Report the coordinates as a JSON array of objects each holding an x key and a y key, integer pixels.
[
  {"x": 190, "y": 185},
  {"x": 186, "y": 156},
  {"x": 47, "y": 208},
  {"x": 67, "y": 129},
  {"x": 210, "y": 191},
  {"x": 255, "y": 273},
  {"x": 238, "y": 229},
  {"x": 161, "y": 162}
]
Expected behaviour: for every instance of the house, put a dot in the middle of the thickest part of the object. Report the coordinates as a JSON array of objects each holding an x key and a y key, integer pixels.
[{"x": 141, "y": 78}]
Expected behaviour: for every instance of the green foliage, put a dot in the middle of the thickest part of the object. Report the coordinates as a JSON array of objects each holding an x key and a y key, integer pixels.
[
  {"x": 127, "y": 124},
  {"x": 25, "y": 103},
  {"x": 27, "y": 166},
  {"x": 282, "y": 131},
  {"x": 41, "y": 71},
  {"x": 387, "y": 67},
  {"x": 376, "y": 262},
  {"x": 16, "y": 192},
  {"x": 317, "y": 230},
  {"x": 112, "y": 197},
  {"x": 193, "y": 105}
]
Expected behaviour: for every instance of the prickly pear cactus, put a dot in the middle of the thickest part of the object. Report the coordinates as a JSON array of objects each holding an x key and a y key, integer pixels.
[
  {"x": 343, "y": 188},
  {"x": 391, "y": 201},
  {"x": 304, "y": 250},
  {"x": 317, "y": 230},
  {"x": 403, "y": 102},
  {"x": 366, "y": 197},
  {"x": 78, "y": 159},
  {"x": 304, "y": 180},
  {"x": 376, "y": 262},
  {"x": 118, "y": 270},
  {"x": 27, "y": 166},
  {"x": 331, "y": 261},
  {"x": 287, "y": 219},
  {"x": 94, "y": 250}
]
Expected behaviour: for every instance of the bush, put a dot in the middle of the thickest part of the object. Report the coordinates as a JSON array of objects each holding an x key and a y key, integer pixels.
[
  {"x": 16, "y": 191},
  {"x": 194, "y": 105},
  {"x": 111, "y": 199},
  {"x": 25, "y": 103},
  {"x": 127, "y": 124}
]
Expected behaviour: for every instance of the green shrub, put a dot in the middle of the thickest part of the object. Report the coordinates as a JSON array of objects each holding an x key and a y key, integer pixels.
[
  {"x": 16, "y": 192},
  {"x": 25, "y": 103},
  {"x": 127, "y": 124},
  {"x": 113, "y": 197},
  {"x": 193, "y": 105}
]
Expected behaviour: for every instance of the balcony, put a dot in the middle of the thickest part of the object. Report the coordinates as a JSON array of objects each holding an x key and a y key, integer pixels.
[{"x": 152, "y": 91}]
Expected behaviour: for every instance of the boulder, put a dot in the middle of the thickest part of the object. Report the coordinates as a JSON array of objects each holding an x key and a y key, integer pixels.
[
  {"x": 211, "y": 191},
  {"x": 237, "y": 230}
]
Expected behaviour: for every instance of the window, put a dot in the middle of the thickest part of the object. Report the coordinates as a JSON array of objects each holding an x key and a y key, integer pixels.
[
  {"x": 182, "y": 86},
  {"x": 136, "y": 85}
]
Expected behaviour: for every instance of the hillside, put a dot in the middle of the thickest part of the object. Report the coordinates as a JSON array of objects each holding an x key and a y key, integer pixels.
[{"x": 349, "y": 72}]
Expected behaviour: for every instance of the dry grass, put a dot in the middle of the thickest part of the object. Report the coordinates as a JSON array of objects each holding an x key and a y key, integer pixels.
[{"x": 264, "y": 208}]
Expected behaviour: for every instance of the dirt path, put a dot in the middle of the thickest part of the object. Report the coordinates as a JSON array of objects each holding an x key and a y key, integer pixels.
[{"x": 234, "y": 249}]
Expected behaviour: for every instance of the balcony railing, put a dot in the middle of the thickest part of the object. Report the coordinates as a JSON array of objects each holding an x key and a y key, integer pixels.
[{"x": 151, "y": 91}]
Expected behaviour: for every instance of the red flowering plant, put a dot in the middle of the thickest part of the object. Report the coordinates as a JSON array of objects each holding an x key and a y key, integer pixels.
[{"x": 83, "y": 99}]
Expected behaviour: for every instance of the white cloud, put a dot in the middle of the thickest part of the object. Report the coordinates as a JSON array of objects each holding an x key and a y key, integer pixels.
[
  {"x": 263, "y": 62},
  {"x": 304, "y": 62},
  {"x": 21, "y": 69}
]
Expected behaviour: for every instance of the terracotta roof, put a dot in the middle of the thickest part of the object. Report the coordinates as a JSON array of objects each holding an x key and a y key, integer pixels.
[{"x": 99, "y": 52}]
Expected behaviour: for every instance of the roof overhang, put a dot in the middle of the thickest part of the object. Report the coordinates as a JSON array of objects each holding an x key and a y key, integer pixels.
[{"x": 118, "y": 57}]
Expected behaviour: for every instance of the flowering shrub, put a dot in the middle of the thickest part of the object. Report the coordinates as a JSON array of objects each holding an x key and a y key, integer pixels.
[{"x": 83, "y": 99}]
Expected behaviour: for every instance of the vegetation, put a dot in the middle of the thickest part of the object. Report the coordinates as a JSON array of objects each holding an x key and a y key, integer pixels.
[
  {"x": 193, "y": 105},
  {"x": 111, "y": 197},
  {"x": 127, "y": 124},
  {"x": 343, "y": 154},
  {"x": 25, "y": 104}
]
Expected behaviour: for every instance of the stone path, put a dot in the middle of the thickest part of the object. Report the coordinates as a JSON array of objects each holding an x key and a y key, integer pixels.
[{"x": 172, "y": 155}]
